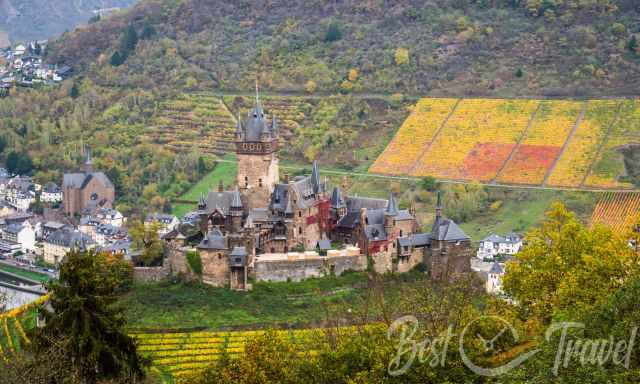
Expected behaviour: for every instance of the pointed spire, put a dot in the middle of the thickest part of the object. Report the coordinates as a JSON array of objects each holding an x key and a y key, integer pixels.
[
  {"x": 336, "y": 199},
  {"x": 392, "y": 206},
  {"x": 257, "y": 94},
  {"x": 88, "y": 163},
  {"x": 237, "y": 201},
  {"x": 315, "y": 177},
  {"x": 439, "y": 205}
]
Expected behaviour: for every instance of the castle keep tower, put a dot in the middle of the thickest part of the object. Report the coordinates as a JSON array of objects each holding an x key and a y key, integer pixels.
[{"x": 256, "y": 149}]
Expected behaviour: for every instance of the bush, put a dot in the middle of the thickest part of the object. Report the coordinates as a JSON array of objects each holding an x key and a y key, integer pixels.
[
  {"x": 311, "y": 86},
  {"x": 429, "y": 183},
  {"x": 195, "y": 262},
  {"x": 333, "y": 33},
  {"x": 401, "y": 56}
]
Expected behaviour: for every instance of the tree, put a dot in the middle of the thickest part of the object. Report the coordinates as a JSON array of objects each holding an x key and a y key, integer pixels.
[
  {"x": 117, "y": 59},
  {"x": 311, "y": 86},
  {"x": 84, "y": 318},
  {"x": 19, "y": 163},
  {"x": 429, "y": 183},
  {"x": 401, "y": 56},
  {"x": 333, "y": 33},
  {"x": 74, "y": 92},
  {"x": 567, "y": 268},
  {"x": 519, "y": 73},
  {"x": 633, "y": 44},
  {"x": 129, "y": 40},
  {"x": 148, "y": 31},
  {"x": 145, "y": 239}
]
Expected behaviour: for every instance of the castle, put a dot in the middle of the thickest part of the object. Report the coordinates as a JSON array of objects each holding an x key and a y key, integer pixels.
[{"x": 273, "y": 229}]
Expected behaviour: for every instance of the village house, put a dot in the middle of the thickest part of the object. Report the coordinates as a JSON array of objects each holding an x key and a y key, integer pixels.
[
  {"x": 21, "y": 233},
  {"x": 51, "y": 193},
  {"x": 87, "y": 190},
  {"x": 166, "y": 222},
  {"x": 494, "y": 245},
  {"x": 494, "y": 279},
  {"x": 61, "y": 242}
]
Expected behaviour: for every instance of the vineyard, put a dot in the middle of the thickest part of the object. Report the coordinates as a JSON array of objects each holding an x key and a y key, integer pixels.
[
  {"x": 14, "y": 323},
  {"x": 561, "y": 143},
  {"x": 183, "y": 354},
  {"x": 193, "y": 121},
  {"x": 619, "y": 211}
]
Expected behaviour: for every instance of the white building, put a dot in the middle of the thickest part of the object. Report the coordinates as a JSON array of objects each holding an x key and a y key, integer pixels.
[
  {"x": 495, "y": 245},
  {"x": 110, "y": 216},
  {"x": 51, "y": 193},
  {"x": 167, "y": 222},
  {"x": 21, "y": 233}
]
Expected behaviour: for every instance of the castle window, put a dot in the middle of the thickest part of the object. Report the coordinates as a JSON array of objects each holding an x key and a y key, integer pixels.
[
  {"x": 260, "y": 182},
  {"x": 219, "y": 256},
  {"x": 401, "y": 233},
  {"x": 299, "y": 230},
  {"x": 299, "y": 213},
  {"x": 366, "y": 220},
  {"x": 273, "y": 250}
]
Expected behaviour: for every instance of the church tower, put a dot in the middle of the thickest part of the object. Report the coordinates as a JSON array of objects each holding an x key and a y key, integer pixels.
[{"x": 257, "y": 152}]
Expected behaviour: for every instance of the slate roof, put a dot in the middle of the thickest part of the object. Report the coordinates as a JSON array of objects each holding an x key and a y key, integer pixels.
[
  {"x": 80, "y": 180},
  {"x": 238, "y": 257},
  {"x": 354, "y": 204},
  {"x": 257, "y": 123},
  {"x": 51, "y": 187},
  {"x": 219, "y": 200},
  {"x": 496, "y": 268},
  {"x": 69, "y": 239},
  {"x": 336, "y": 199},
  {"x": 510, "y": 238},
  {"x": 161, "y": 217},
  {"x": 324, "y": 244},
  {"x": 14, "y": 228},
  {"x": 349, "y": 221},
  {"x": 213, "y": 240},
  {"x": 447, "y": 230},
  {"x": 416, "y": 240}
]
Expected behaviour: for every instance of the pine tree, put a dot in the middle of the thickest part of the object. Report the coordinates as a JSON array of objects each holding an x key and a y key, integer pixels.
[
  {"x": 74, "y": 92},
  {"x": 117, "y": 59},
  {"x": 129, "y": 40},
  {"x": 84, "y": 316}
]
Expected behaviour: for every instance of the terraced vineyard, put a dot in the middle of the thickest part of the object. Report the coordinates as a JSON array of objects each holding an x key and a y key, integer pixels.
[
  {"x": 619, "y": 211},
  {"x": 194, "y": 121},
  {"x": 183, "y": 354},
  {"x": 13, "y": 325},
  {"x": 559, "y": 143}
]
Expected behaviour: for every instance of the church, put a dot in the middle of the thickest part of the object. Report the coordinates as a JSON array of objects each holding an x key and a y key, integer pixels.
[{"x": 264, "y": 218}]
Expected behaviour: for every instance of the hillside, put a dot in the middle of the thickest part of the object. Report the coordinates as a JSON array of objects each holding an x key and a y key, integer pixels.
[
  {"x": 452, "y": 47},
  {"x": 167, "y": 78},
  {"x": 22, "y": 20}
]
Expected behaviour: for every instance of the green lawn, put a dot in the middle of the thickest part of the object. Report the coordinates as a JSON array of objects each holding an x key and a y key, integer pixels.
[
  {"x": 166, "y": 305},
  {"x": 223, "y": 171},
  {"x": 26, "y": 274}
]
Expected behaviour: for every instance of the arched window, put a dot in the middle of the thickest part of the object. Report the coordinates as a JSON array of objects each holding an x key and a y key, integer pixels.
[
  {"x": 219, "y": 256},
  {"x": 299, "y": 213},
  {"x": 299, "y": 230},
  {"x": 401, "y": 233},
  {"x": 246, "y": 181},
  {"x": 260, "y": 182}
]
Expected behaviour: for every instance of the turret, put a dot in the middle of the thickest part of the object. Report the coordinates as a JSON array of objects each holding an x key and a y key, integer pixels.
[
  {"x": 338, "y": 206},
  {"x": 390, "y": 213}
]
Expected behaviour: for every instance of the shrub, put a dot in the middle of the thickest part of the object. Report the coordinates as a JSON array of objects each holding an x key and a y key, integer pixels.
[
  {"x": 333, "y": 33},
  {"x": 311, "y": 86},
  {"x": 429, "y": 183},
  {"x": 353, "y": 75},
  {"x": 346, "y": 86},
  {"x": 195, "y": 262},
  {"x": 401, "y": 56}
]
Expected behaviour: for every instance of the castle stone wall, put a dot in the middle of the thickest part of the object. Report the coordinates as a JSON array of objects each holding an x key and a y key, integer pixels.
[{"x": 297, "y": 267}]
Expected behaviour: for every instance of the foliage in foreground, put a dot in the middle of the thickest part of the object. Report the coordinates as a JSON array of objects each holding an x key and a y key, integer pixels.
[{"x": 83, "y": 330}]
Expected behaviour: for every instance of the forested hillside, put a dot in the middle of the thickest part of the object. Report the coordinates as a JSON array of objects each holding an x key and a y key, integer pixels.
[
  {"x": 42, "y": 19},
  {"x": 144, "y": 78},
  {"x": 445, "y": 47}
]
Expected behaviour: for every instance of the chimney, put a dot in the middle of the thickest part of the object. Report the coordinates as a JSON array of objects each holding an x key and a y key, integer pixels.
[
  {"x": 220, "y": 186},
  {"x": 286, "y": 178}
]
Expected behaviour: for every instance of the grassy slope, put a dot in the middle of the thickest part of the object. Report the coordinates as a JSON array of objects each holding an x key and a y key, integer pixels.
[
  {"x": 160, "y": 305},
  {"x": 225, "y": 172},
  {"x": 28, "y": 274}
]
